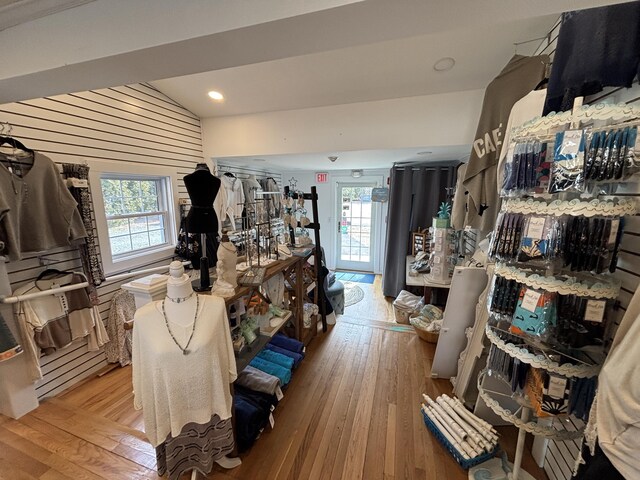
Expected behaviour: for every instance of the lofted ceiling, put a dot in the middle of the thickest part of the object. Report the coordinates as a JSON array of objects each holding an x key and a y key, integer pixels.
[
  {"x": 17, "y": 12},
  {"x": 363, "y": 159},
  {"x": 378, "y": 71}
]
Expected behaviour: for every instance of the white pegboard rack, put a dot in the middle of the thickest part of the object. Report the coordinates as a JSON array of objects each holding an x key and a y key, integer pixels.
[
  {"x": 522, "y": 353},
  {"x": 522, "y": 421},
  {"x": 576, "y": 207},
  {"x": 586, "y": 286}
]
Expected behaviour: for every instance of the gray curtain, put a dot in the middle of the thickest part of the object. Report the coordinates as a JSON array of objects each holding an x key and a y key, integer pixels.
[{"x": 414, "y": 198}]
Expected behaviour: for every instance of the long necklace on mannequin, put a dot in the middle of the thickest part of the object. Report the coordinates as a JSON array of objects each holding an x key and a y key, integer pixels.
[{"x": 185, "y": 350}]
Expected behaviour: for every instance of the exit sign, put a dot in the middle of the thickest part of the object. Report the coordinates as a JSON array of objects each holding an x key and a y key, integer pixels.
[{"x": 322, "y": 177}]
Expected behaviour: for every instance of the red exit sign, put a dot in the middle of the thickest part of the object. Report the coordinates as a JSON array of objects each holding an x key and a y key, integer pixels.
[{"x": 322, "y": 177}]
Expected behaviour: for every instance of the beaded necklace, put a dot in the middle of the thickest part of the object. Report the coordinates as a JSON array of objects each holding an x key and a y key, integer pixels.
[{"x": 185, "y": 350}]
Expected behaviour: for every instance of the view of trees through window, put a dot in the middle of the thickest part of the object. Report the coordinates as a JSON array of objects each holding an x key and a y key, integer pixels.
[
  {"x": 355, "y": 241},
  {"x": 136, "y": 213}
]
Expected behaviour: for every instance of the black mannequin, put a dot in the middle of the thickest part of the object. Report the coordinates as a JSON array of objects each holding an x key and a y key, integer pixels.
[{"x": 202, "y": 187}]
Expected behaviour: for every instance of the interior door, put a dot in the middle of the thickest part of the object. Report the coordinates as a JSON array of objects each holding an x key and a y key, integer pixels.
[{"x": 355, "y": 227}]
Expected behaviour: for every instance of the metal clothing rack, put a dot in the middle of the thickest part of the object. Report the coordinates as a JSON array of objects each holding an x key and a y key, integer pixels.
[{"x": 318, "y": 253}]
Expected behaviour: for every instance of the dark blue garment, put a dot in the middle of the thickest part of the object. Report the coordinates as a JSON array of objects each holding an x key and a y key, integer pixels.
[
  {"x": 297, "y": 357},
  {"x": 287, "y": 343},
  {"x": 597, "y": 48},
  {"x": 250, "y": 421}
]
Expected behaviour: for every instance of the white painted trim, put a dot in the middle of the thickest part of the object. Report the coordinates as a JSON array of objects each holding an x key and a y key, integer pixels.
[
  {"x": 98, "y": 168},
  {"x": 377, "y": 236}
]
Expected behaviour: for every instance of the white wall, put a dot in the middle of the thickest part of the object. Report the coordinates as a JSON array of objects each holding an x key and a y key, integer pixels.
[
  {"x": 327, "y": 208},
  {"x": 438, "y": 120},
  {"x": 132, "y": 126}
]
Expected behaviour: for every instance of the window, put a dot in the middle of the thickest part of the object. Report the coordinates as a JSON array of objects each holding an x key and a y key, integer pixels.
[{"x": 136, "y": 212}]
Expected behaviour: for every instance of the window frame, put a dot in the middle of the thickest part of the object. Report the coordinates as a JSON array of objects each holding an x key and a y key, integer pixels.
[{"x": 168, "y": 177}]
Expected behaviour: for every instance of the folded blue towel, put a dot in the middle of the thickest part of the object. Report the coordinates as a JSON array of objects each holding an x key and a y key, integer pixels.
[
  {"x": 287, "y": 343},
  {"x": 283, "y": 374},
  {"x": 277, "y": 358},
  {"x": 297, "y": 357}
]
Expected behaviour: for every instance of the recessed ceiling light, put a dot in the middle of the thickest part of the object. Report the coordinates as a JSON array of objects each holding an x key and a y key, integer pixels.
[
  {"x": 216, "y": 95},
  {"x": 259, "y": 160},
  {"x": 426, "y": 152},
  {"x": 444, "y": 64}
]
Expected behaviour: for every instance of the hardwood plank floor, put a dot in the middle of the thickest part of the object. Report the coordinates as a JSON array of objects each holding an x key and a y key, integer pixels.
[{"x": 350, "y": 412}]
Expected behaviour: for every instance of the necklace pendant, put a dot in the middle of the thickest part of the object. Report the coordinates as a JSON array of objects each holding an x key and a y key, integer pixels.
[{"x": 185, "y": 352}]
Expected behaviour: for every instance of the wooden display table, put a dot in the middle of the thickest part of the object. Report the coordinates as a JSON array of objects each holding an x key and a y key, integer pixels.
[{"x": 422, "y": 280}]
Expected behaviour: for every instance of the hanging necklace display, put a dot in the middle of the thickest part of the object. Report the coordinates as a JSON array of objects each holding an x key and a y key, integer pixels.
[{"x": 185, "y": 350}]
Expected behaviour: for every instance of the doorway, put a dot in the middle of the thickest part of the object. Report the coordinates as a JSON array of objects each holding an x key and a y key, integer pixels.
[{"x": 356, "y": 224}]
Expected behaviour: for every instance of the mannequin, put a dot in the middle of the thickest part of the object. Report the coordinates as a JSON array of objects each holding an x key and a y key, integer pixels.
[
  {"x": 202, "y": 187},
  {"x": 187, "y": 407},
  {"x": 227, "y": 279}
]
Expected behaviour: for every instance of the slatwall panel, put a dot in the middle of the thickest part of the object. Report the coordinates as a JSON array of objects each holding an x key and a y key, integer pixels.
[
  {"x": 561, "y": 456},
  {"x": 133, "y": 124}
]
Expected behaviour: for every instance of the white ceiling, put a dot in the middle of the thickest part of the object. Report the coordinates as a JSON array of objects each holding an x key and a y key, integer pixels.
[
  {"x": 364, "y": 159},
  {"x": 16, "y": 12},
  {"x": 383, "y": 70}
]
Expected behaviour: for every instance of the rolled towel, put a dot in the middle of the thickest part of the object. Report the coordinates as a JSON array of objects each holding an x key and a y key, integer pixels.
[
  {"x": 257, "y": 380},
  {"x": 277, "y": 358},
  {"x": 283, "y": 374},
  {"x": 297, "y": 357},
  {"x": 287, "y": 343}
]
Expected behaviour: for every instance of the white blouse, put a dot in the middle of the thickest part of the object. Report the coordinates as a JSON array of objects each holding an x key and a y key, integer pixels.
[{"x": 174, "y": 389}]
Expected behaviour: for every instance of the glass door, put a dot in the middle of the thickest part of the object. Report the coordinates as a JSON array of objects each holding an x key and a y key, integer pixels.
[{"x": 355, "y": 227}]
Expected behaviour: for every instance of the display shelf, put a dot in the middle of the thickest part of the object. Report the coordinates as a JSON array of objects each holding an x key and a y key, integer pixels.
[
  {"x": 251, "y": 351},
  {"x": 575, "y": 207},
  {"x": 585, "y": 368},
  {"x": 585, "y": 114},
  {"x": 548, "y": 430},
  {"x": 583, "y": 286},
  {"x": 273, "y": 330}
]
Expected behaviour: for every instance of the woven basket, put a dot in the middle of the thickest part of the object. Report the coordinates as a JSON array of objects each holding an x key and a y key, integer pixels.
[{"x": 429, "y": 337}]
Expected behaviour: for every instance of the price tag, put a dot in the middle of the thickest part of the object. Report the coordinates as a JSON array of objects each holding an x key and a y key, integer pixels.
[
  {"x": 557, "y": 387},
  {"x": 530, "y": 300},
  {"x": 595, "y": 311},
  {"x": 536, "y": 227},
  {"x": 77, "y": 183},
  {"x": 615, "y": 225},
  {"x": 272, "y": 421},
  {"x": 279, "y": 394}
]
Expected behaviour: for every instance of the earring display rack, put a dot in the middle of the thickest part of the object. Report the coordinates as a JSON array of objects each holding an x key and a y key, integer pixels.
[{"x": 317, "y": 250}]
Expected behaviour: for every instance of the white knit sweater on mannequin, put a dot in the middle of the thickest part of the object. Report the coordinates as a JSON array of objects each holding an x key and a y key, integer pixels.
[{"x": 174, "y": 389}]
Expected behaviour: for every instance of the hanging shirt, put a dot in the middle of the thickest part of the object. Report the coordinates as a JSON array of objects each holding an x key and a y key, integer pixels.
[
  {"x": 52, "y": 322},
  {"x": 37, "y": 212},
  {"x": 597, "y": 48},
  {"x": 174, "y": 389},
  {"x": 520, "y": 76},
  {"x": 618, "y": 398},
  {"x": 235, "y": 198}
]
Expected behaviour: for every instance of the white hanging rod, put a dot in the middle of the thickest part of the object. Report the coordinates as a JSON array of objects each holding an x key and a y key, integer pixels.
[
  {"x": 77, "y": 286},
  {"x": 44, "y": 293}
]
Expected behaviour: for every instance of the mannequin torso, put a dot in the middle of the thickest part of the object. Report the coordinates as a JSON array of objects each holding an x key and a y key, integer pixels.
[{"x": 202, "y": 187}]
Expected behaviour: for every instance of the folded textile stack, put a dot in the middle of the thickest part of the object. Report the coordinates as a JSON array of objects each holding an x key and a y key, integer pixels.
[{"x": 257, "y": 388}]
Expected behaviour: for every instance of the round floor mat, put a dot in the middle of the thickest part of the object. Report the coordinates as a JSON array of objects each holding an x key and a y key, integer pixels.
[{"x": 352, "y": 293}]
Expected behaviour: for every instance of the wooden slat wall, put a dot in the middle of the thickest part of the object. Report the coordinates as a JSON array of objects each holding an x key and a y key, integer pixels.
[
  {"x": 561, "y": 456},
  {"x": 136, "y": 124}
]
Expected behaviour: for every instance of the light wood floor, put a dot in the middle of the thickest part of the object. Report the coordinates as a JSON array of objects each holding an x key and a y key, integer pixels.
[
  {"x": 351, "y": 412},
  {"x": 374, "y": 305}
]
